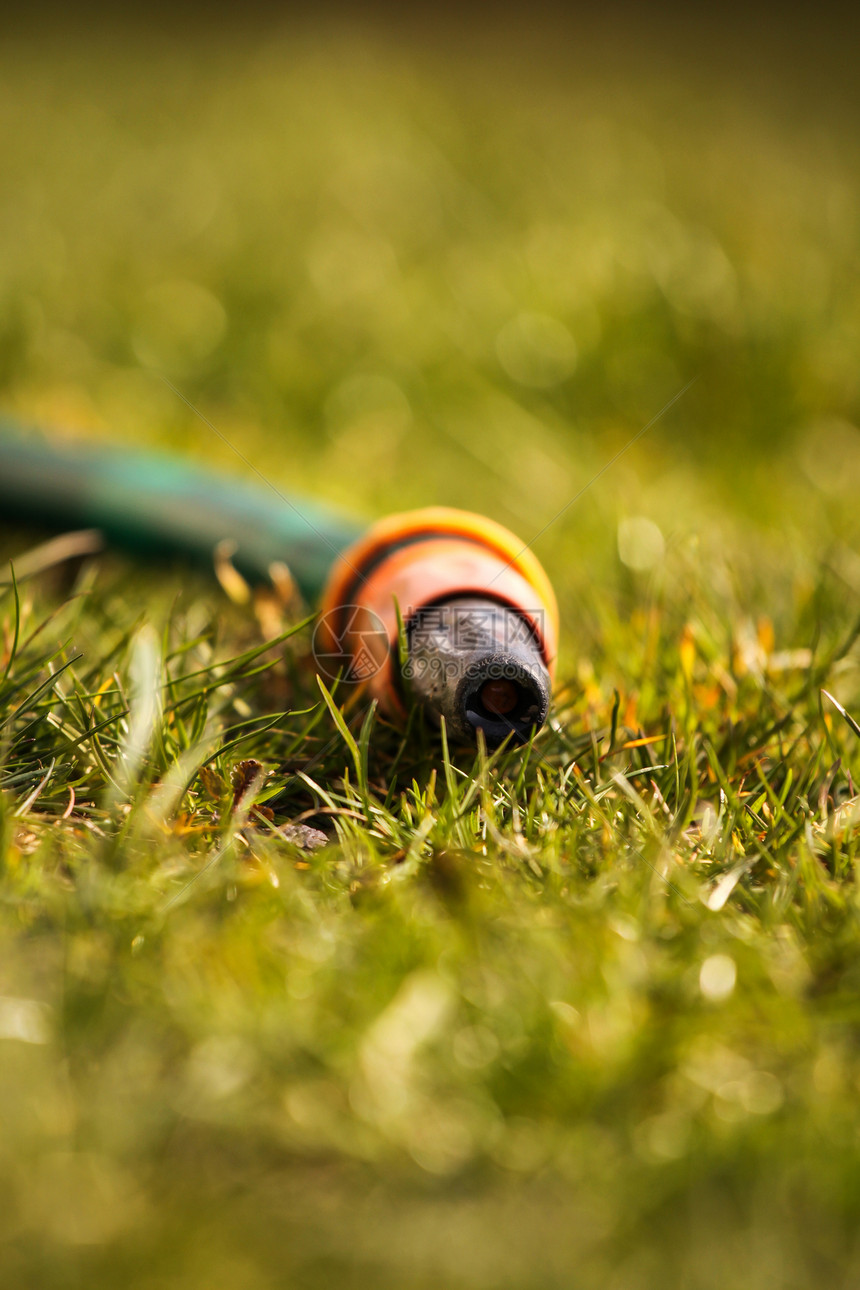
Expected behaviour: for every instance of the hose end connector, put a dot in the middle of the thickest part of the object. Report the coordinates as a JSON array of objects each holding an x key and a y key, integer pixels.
[{"x": 480, "y": 619}]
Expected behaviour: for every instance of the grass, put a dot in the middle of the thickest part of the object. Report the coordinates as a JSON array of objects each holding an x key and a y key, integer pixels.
[{"x": 583, "y": 1014}]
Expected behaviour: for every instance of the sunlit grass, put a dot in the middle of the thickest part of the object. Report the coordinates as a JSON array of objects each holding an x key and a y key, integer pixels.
[{"x": 580, "y": 1014}]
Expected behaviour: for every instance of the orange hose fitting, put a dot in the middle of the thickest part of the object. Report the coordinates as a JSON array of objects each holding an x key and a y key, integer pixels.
[{"x": 412, "y": 562}]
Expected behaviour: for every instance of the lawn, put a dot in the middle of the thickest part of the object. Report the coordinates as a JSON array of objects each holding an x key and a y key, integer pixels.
[{"x": 584, "y": 1014}]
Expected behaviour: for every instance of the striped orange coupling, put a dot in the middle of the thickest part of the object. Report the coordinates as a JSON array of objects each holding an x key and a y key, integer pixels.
[{"x": 416, "y": 560}]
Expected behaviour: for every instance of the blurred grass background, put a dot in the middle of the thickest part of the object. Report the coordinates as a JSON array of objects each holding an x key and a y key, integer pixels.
[
  {"x": 465, "y": 270},
  {"x": 459, "y": 262}
]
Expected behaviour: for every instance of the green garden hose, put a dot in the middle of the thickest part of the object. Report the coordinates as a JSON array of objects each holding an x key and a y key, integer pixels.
[
  {"x": 480, "y": 616},
  {"x": 152, "y": 504}
]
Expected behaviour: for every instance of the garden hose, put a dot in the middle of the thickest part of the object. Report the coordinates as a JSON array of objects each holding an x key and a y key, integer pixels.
[{"x": 440, "y": 604}]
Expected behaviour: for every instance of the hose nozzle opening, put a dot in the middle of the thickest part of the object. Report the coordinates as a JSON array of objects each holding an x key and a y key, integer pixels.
[{"x": 505, "y": 698}]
